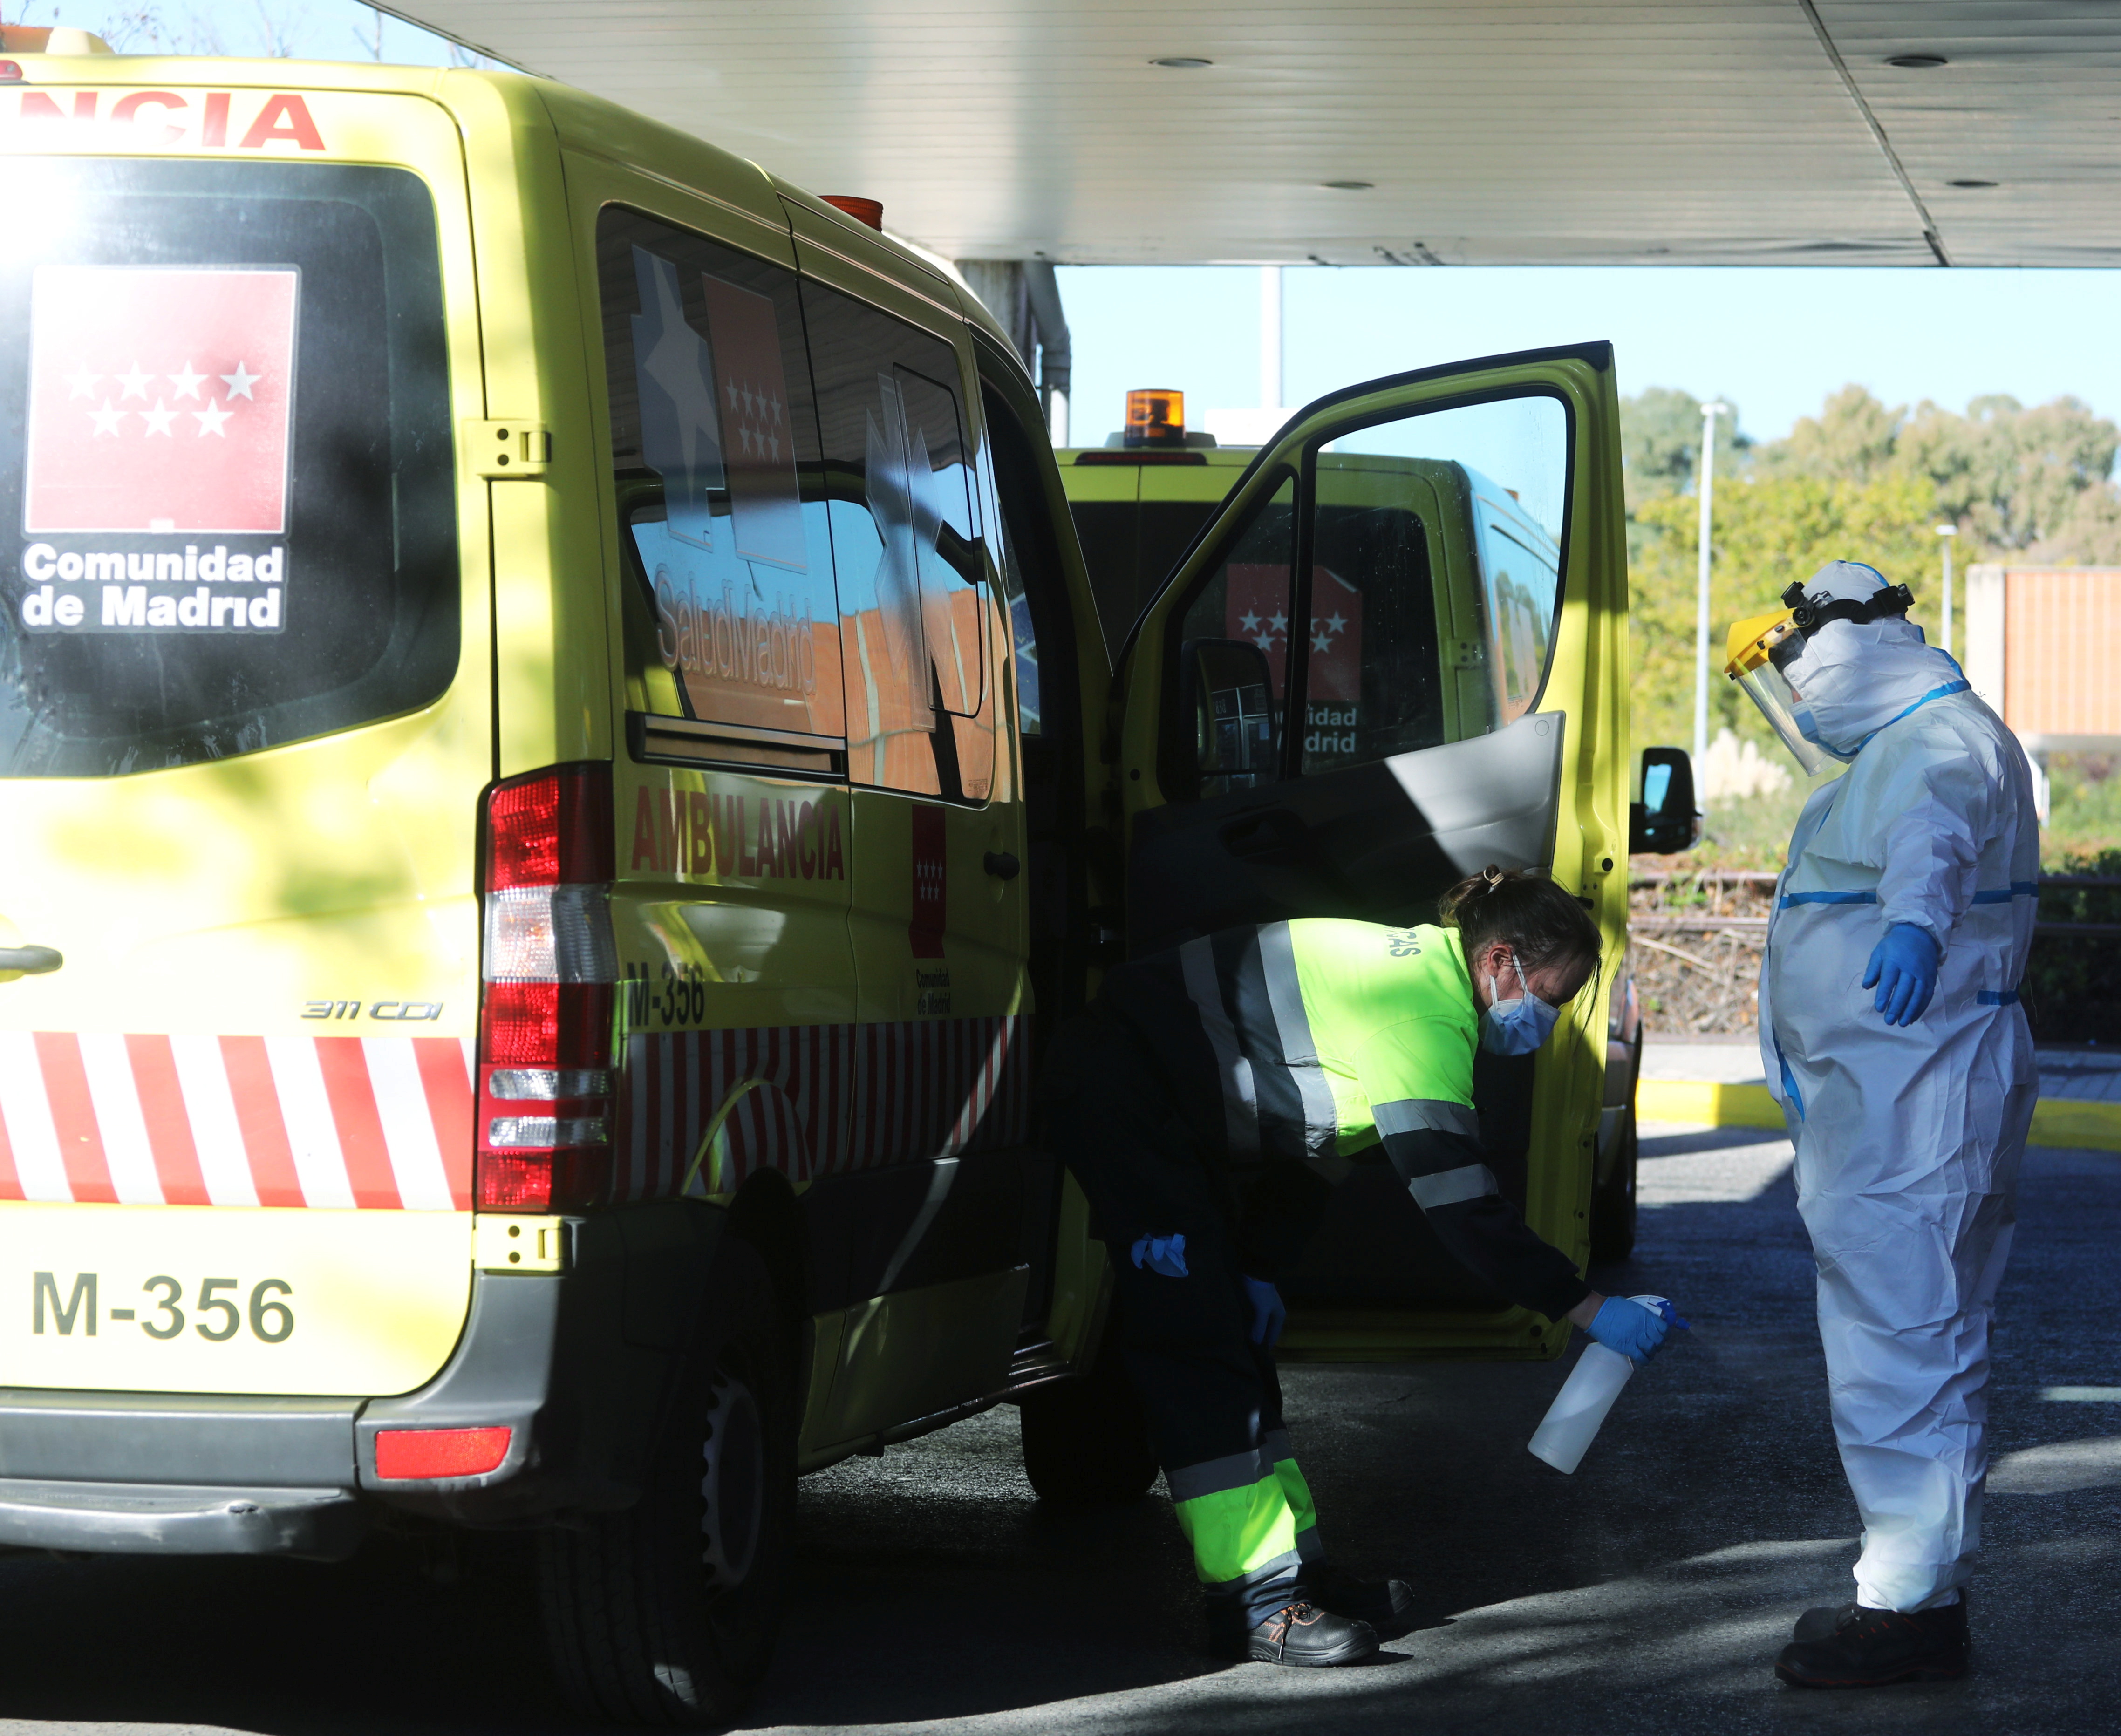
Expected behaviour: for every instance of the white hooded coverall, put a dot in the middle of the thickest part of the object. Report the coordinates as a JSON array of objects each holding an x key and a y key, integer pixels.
[{"x": 1908, "y": 1138}]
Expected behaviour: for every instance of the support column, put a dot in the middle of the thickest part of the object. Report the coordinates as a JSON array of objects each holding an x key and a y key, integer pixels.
[{"x": 1024, "y": 297}]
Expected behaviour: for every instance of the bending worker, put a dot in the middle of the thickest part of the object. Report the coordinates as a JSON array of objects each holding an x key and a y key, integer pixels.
[
  {"x": 1206, "y": 1104},
  {"x": 1891, "y": 1032}
]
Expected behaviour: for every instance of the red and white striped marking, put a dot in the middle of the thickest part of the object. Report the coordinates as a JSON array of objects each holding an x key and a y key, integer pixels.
[
  {"x": 379, "y": 1123},
  {"x": 822, "y": 1099},
  {"x": 386, "y": 1123}
]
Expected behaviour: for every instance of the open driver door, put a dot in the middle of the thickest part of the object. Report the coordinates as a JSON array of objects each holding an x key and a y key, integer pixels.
[{"x": 1395, "y": 655}]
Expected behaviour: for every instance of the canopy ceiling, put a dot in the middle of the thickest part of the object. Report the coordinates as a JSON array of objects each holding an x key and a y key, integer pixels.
[{"x": 1492, "y": 131}]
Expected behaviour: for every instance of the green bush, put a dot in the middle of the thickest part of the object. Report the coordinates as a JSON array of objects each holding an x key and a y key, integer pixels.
[
  {"x": 2086, "y": 816},
  {"x": 2072, "y": 985}
]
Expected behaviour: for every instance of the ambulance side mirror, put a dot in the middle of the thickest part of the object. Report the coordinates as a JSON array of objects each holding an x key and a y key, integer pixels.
[
  {"x": 1227, "y": 698},
  {"x": 1666, "y": 819}
]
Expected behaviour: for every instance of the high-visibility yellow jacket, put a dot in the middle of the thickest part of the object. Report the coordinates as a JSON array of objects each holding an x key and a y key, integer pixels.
[{"x": 1315, "y": 1041}]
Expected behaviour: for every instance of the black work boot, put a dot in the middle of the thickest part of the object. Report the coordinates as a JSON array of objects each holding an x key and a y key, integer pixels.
[
  {"x": 1869, "y": 1648},
  {"x": 1300, "y": 1634},
  {"x": 1386, "y": 1605},
  {"x": 1820, "y": 1623},
  {"x": 1817, "y": 1624}
]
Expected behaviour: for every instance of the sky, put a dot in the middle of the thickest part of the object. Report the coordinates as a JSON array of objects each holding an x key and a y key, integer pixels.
[{"x": 1774, "y": 343}]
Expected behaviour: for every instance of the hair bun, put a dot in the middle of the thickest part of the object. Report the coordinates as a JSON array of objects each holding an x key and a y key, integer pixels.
[{"x": 1524, "y": 909}]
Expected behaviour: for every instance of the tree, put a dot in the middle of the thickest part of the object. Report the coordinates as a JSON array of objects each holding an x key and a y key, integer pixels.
[
  {"x": 2090, "y": 537},
  {"x": 1660, "y": 443},
  {"x": 1852, "y": 438},
  {"x": 2010, "y": 476}
]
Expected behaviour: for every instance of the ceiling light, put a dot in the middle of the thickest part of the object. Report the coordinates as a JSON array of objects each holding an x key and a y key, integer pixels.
[
  {"x": 1916, "y": 62},
  {"x": 1349, "y": 186},
  {"x": 1181, "y": 62},
  {"x": 1969, "y": 184}
]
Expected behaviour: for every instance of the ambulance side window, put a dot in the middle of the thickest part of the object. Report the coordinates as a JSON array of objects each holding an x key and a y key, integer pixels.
[
  {"x": 909, "y": 552},
  {"x": 730, "y": 615}
]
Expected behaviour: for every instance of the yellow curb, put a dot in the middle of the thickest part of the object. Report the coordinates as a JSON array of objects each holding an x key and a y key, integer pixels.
[
  {"x": 2064, "y": 1121},
  {"x": 2056, "y": 1120},
  {"x": 1705, "y": 1102}
]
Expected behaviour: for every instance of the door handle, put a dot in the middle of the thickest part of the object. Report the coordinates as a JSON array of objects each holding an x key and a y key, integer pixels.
[
  {"x": 1002, "y": 865},
  {"x": 30, "y": 960},
  {"x": 1264, "y": 835}
]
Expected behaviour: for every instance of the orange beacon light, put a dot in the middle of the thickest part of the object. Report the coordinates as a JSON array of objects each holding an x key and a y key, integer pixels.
[{"x": 1156, "y": 416}]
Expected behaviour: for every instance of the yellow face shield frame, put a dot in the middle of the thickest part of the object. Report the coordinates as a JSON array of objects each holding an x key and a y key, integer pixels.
[{"x": 1752, "y": 648}]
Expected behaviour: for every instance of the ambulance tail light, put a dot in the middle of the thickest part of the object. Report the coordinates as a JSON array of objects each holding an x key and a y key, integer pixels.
[
  {"x": 416, "y": 1452},
  {"x": 550, "y": 966}
]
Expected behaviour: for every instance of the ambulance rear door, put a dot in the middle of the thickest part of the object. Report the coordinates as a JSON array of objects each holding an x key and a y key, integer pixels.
[
  {"x": 245, "y": 704},
  {"x": 1391, "y": 658}
]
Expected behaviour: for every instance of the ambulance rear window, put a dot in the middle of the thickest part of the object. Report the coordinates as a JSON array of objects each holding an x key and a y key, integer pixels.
[
  {"x": 1129, "y": 549},
  {"x": 227, "y": 513}
]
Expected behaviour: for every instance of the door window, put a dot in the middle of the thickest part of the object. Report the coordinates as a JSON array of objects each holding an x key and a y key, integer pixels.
[
  {"x": 1248, "y": 599},
  {"x": 907, "y": 551},
  {"x": 1015, "y": 600},
  {"x": 227, "y": 447},
  {"x": 1429, "y": 609},
  {"x": 729, "y": 612},
  {"x": 1436, "y": 579}
]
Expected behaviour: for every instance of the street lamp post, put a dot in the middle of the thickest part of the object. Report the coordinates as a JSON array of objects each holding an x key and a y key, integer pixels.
[
  {"x": 1709, "y": 412},
  {"x": 1946, "y": 532}
]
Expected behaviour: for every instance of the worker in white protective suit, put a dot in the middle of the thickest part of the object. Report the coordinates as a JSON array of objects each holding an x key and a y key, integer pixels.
[{"x": 1892, "y": 1035}]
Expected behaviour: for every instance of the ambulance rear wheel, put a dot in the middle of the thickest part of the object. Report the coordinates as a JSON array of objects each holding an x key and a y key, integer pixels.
[
  {"x": 1086, "y": 1441},
  {"x": 666, "y": 1614}
]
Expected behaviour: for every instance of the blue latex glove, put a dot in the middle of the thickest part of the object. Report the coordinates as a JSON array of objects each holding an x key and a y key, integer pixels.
[
  {"x": 1904, "y": 966},
  {"x": 1165, "y": 1256},
  {"x": 1269, "y": 1313},
  {"x": 1634, "y": 1331}
]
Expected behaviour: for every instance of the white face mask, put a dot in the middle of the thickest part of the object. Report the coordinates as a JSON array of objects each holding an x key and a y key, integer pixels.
[{"x": 1519, "y": 1025}]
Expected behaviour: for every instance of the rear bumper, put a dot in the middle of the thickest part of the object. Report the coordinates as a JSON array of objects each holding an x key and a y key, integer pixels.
[
  {"x": 313, "y": 1524},
  {"x": 573, "y": 1364}
]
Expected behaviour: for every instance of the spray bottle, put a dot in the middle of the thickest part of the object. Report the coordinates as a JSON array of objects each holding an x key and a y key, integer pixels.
[{"x": 1571, "y": 1422}]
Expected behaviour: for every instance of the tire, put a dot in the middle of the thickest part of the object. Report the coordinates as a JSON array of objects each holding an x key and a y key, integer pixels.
[
  {"x": 1613, "y": 1201},
  {"x": 666, "y": 1614},
  {"x": 1086, "y": 1441}
]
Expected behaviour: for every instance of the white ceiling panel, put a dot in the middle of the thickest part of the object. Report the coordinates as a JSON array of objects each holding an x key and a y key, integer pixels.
[{"x": 1742, "y": 132}]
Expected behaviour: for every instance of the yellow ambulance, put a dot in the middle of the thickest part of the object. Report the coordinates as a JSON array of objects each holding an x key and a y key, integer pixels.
[{"x": 560, "y": 758}]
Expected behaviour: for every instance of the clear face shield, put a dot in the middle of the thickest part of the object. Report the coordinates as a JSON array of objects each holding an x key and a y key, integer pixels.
[{"x": 1754, "y": 647}]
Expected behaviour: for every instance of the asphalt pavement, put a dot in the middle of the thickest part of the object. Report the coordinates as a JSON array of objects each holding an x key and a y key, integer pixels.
[{"x": 1648, "y": 1594}]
